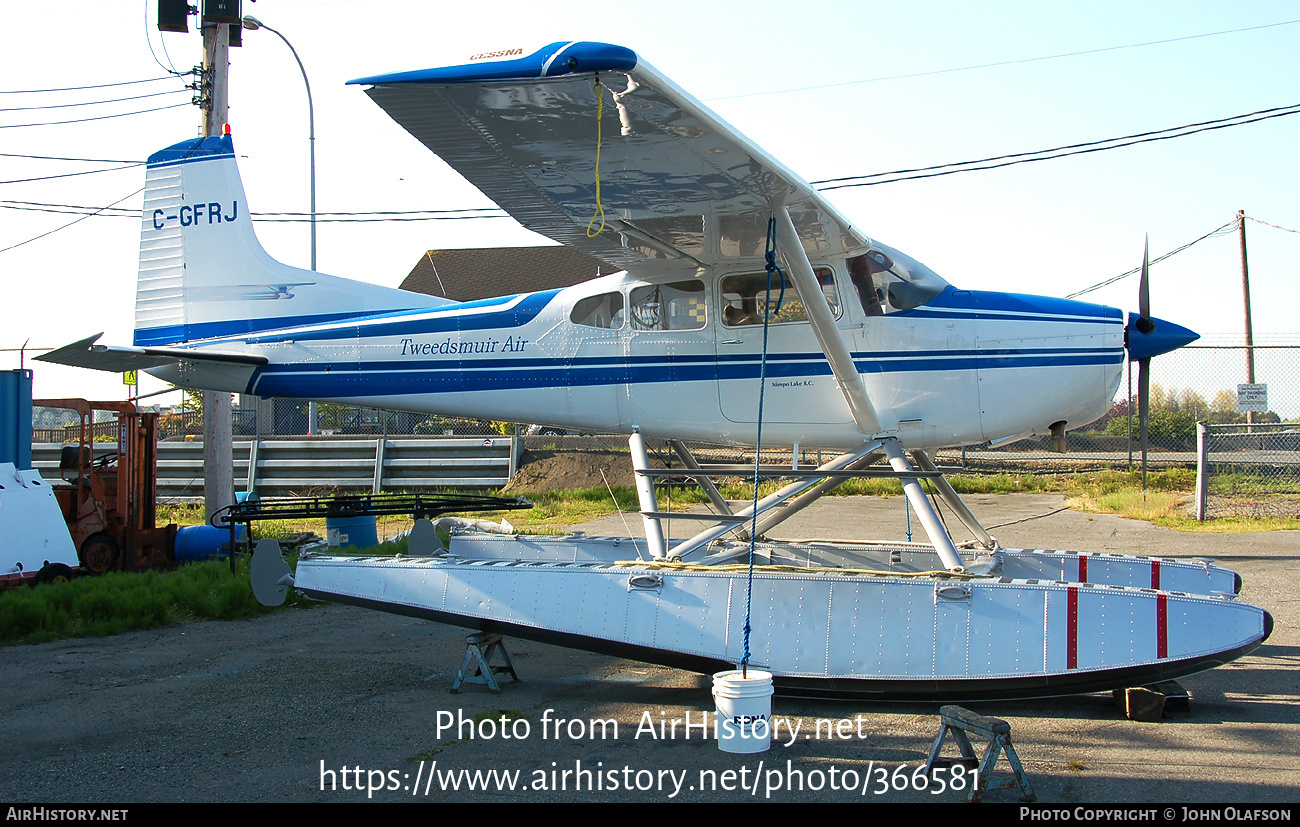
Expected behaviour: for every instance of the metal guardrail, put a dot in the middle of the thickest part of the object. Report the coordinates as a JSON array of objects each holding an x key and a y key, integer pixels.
[{"x": 275, "y": 467}]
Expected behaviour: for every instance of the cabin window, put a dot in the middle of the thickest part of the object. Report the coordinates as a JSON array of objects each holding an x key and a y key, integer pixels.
[
  {"x": 743, "y": 298},
  {"x": 605, "y": 310},
  {"x": 676, "y": 306},
  {"x": 888, "y": 281}
]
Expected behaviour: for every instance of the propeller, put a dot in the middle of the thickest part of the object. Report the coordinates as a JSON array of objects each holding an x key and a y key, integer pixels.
[
  {"x": 1146, "y": 337},
  {"x": 1146, "y": 327}
]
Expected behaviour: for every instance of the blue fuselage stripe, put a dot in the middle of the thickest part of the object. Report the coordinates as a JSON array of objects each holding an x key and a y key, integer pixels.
[
  {"x": 453, "y": 318},
  {"x": 459, "y": 375}
]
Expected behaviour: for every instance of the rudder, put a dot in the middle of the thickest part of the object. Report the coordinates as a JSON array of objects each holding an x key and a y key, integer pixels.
[{"x": 203, "y": 273}]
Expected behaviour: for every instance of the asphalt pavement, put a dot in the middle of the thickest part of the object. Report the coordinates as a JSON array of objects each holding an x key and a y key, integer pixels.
[{"x": 336, "y": 704}]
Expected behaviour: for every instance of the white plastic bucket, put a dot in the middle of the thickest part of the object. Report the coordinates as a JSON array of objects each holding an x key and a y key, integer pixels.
[{"x": 744, "y": 710}]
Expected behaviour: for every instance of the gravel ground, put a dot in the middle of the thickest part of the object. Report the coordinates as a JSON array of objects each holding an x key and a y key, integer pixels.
[{"x": 275, "y": 708}]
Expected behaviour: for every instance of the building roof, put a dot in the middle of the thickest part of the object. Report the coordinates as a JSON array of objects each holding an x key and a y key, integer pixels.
[{"x": 470, "y": 274}]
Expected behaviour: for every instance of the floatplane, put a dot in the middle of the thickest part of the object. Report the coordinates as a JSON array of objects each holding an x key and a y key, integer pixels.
[{"x": 847, "y": 344}]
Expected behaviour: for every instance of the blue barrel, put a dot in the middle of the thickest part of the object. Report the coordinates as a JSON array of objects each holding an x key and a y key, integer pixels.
[
  {"x": 205, "y": 542},
  {"x": 361, "y": 532},
  {"x": 16, "y": 418}
]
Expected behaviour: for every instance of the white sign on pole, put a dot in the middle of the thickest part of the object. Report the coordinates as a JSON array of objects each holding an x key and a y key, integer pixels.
[{"x": 1252, "y": 397}]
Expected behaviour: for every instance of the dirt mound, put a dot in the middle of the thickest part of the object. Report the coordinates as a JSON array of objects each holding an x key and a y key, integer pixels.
[{"x": 554, "y": 471}]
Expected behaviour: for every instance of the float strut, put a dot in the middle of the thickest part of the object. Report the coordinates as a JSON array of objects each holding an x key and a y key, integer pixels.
[
  {"x": 916, "y": 496},
  {"x": 946, "y": 493},
  {"x": 645, "y": 492}
]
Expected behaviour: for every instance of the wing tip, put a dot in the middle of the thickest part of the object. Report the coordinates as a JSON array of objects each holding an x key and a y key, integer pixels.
[{"x": 554, "y": 60}]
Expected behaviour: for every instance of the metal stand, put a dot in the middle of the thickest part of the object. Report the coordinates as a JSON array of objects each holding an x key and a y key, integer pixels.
[
  {"x": 478, "y": 655},
  {"x": 997, "y": 733}
]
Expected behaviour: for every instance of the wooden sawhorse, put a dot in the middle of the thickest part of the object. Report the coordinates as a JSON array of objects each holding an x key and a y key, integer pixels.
[
  {"x": 997, "y": 733},
  {"x": 478, "y": 666}
]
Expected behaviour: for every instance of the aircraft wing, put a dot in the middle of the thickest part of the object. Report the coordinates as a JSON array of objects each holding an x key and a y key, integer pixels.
[{"x": 679, "y": 187}]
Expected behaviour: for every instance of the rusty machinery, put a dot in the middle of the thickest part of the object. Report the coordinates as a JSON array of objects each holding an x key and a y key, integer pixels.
[{"x": 109, "y": 500}]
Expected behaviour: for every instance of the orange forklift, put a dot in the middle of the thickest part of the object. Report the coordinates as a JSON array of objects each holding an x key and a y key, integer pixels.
[{"x": 109, "y": 499}]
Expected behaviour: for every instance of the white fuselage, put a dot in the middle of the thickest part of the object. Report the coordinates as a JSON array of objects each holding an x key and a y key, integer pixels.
[{"x": 964, "y": 368}]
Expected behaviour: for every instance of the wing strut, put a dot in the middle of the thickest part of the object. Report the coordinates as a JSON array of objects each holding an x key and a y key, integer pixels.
[{"x": 823, "y": 324}]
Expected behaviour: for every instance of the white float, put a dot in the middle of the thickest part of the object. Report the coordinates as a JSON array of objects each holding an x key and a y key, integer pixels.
[{"x": 33, "y": 532}]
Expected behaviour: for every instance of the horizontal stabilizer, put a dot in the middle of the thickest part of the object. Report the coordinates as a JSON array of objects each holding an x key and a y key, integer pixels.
[{"x": 117, "y": 359}]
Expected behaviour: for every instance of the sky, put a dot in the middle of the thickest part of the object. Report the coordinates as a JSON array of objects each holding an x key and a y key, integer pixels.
[{"x": 829, "y": 88}]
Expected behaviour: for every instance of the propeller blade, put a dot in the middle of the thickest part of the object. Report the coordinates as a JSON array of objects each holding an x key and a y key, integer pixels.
[
  {"x": 1145, "y": 325},
  {"x": 1144, "y": 406}
]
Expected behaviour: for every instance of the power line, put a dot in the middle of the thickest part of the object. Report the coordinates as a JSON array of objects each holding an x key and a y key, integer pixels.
[
  {"x": 378, "y": 215},
  {"x": 390, "y": 212},
  {"x": 363, "y": 220},
  {"x": 70, "y": 223},
  {"x": 1056, "y": 152},
  {"x": 80, "y": 88},
  {"x": 1054, "y": 149},
  {"x": 68, "y": 174},
  {"x": 1002, "y": 62},
  {"x": 823, "y": 185},
  {"x": 149, "y": 41},
  {"x": 60, "y": 158},
  {"x": 1220, "y": 230},
  {"x": 70, "y": 209},
  {"x": 98, "y": 118},
  {"x": 92, "y": 103},
  {"x": 1274, "y": 226}
]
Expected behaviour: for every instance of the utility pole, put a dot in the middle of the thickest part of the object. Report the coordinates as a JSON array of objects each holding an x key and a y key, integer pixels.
[
  {"x": 1245, "y": 296},
  {"x": 218, "y": 444}
]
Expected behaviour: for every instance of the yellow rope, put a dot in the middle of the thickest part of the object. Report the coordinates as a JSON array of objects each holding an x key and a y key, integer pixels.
[
  {"x": 938, "y": 573},
  {"x": 600, "y": 208}
]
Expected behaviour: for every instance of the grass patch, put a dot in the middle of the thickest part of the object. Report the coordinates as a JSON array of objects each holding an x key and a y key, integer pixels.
[
  {"x": 1170, "y": 509},
  {"x": 181, "y": 513},
  {"x": 429, "y": 753},
  {"x": 502, "y": 716},
  {"x": 1101, "y": 492},
  {"x": 561, "y": 508},
  {"x": 498, "y": 718},
  {"x": 123, "y": 601}
]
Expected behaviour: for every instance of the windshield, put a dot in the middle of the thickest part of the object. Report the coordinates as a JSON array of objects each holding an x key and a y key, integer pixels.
[{"x": 888, "y": 281}]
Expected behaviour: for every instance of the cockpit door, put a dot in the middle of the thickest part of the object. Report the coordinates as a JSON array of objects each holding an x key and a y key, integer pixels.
[{"x": 800, "y": 387}]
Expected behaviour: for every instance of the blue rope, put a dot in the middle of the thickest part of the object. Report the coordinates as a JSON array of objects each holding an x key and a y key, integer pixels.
[
  {"x": 771, "y": 267},
  {"x": 907, "y": 509}
]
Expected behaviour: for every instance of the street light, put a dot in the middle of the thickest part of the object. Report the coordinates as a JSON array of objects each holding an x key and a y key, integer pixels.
[{"x": 253, "y": 24}]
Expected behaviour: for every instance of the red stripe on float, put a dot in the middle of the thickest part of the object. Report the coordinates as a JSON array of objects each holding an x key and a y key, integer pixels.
[
  {"x": 1162, "y": 625},
  {"x": 1072, "y": 628},
  {"x": 1155, "y": 574},
  {"x": 1083, "y": 568}
]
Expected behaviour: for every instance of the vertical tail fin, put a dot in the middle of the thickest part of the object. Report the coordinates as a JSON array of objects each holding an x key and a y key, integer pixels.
[{"x": 203, "y": 273}]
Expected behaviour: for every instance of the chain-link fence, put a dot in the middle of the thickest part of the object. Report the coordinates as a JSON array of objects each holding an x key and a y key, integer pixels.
[
  {"x": 290, "y": 417},
  {"x": 1197, "y": 383},
  {"x": 1250, "y": 471}
]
